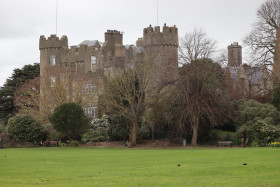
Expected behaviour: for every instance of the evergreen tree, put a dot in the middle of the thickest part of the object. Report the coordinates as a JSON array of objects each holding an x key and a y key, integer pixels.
[
  {"x": 276, "y": 97},
  {"x": 70, "y": 120},
  {"x": 18, "y": 77}
]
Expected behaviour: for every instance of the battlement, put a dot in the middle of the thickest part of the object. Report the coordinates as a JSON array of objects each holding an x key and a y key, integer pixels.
[
  {"x": 114, "y": 37},
  {"x": 154, "y": 36},
  {"x": 234, "y": 45},
  {"x": 156, "y": 29},
  {"x": 53, "y": 42},
  {"x": 113, "y": 31}
]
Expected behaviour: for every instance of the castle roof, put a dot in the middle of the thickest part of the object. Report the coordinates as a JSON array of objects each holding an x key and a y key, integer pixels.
[
  {"x": 254, "y": 74},
  {"x": 89, "y": 43}
]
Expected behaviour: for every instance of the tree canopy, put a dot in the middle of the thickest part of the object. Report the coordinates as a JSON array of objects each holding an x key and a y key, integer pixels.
[
  {"x": 259, "y": 123},
  {"x": 262, "y": 39},
  {"x": 198, "y": 98},
  {"x": 70, "y": 120},
  {"x": 18, "y": 77}
]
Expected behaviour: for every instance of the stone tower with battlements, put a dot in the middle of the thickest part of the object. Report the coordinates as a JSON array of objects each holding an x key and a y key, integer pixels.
[
  {"x": 113, "y": 53},
  {"x": 51, "y": 51},
  {"x": 162, "y": 47}
]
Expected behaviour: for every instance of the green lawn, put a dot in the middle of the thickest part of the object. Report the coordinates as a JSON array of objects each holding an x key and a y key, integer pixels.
[{"x": 139, "y": 167}]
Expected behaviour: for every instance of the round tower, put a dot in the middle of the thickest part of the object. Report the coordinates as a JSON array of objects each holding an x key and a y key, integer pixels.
[
  {"x": 51, "y": 50},
  {"x": 161, "y": 47}
]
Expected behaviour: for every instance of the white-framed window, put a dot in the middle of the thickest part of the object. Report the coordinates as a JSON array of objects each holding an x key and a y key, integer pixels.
[
  {"x": 89, "y": 88},
  {"x": 52, "y": 60},
  {"x": 92, "y": 62},
  {"x": 91, "y": 111}
]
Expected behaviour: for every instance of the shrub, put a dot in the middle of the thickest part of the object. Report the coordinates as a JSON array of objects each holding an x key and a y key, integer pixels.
[
  {"x": 98, "y": 130},
  {"x": 274, "y": 144},
  {"x": 25, "y": 129},
  {"x": 69, "y": 119},
  {"x": 61, "y": 144},
  {"x": 265, "y": 133},
  {"x": 51, "y": 132},
  {"x": 259, "y": 123},
  {"x": 2, "y": 127},
  {"x": 74, "y": 143},
  {"x": 118, "y": 128},
  {"x": 259, "y": 132}
]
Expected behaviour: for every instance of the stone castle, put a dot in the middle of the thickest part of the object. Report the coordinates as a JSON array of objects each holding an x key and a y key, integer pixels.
[
  {"x": 100, "y": 60},
  {"x": 246, "y": 82},
  {"x": 109, "y": 58}
]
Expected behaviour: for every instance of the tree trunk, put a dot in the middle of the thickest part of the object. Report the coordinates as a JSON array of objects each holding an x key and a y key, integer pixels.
[
  {"x": 276, "y": 66},
  {"x": 133, "y": 134},
  {"x": 153, "y": 133},
  {"x": 195, "y": 130}
]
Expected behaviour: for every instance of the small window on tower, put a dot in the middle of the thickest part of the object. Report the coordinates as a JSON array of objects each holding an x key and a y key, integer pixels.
[
  {"x": 92, "y": 62},
  {"x": 52, "y": 60}
]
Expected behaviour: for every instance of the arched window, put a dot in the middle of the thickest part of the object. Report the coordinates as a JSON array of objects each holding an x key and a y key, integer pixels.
[{"x": 52, "y": 60}]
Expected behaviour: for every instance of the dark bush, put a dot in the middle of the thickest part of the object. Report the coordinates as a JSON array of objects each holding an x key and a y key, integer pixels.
[
  {"x": 118, "y": 129},
  {"x": 25, "y": 129},
  {"x": 69, "y": 119},
  {"x": 2, "y": 127}
]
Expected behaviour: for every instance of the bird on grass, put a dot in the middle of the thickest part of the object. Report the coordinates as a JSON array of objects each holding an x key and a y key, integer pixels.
[{"x": 244, "y": 164}]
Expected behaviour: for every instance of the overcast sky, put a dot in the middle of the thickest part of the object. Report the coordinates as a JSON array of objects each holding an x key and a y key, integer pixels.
[{"x": 23, "y": 21}]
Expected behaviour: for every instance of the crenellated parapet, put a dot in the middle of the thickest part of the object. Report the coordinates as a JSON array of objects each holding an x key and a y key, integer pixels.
[
  {"x": 114, "y": 37},
  {"x": 53, "y": 42},
  {"x": 153, "y": 36}
]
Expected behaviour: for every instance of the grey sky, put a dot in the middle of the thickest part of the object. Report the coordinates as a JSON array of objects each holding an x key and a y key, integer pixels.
[{"x": 23, "y": 21}]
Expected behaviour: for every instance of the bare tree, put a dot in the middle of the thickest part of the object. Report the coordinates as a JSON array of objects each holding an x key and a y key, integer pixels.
[
  {"x": 222, "y": 57},
  {"x": 262, "y": 39},
  {"x": 196, "y": 45},
  {"x": 198, "y": 98},
  {"x": 125, "y": 95},
  {"x": 40, "y": 96}
]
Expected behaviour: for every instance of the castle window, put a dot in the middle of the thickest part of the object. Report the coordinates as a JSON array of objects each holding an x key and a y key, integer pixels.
[
  {"x": 52, "y": 60},
  {"x": 92, "y": 62},
  {"x": 91, "y": 111},
  {"x": 89, "y": 88}
]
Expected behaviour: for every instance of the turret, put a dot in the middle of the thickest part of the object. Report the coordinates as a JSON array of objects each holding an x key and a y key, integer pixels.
[
  {"x": 234, "y": 55},
  {"x": 162, "y": 49},
  {"x": 113, "y": 53},
  {"x": 53, "y": 42},
  {"x": 51, "y": 50},
  {"x": 114, "y": 37},
  {"x": 153, "y": 36}
]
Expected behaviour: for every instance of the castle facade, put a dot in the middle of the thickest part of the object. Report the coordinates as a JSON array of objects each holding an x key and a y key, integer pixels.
[
  {"x": 247, "y": 82},
  {"x": 99, "y": 60}
]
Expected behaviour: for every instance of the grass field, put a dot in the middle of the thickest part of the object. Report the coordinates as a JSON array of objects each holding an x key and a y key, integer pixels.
[{"x": 139, "y": 167}]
